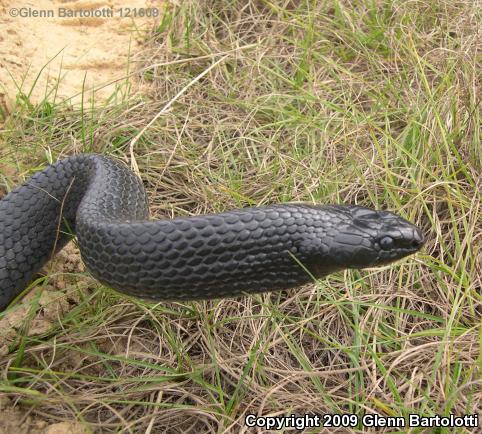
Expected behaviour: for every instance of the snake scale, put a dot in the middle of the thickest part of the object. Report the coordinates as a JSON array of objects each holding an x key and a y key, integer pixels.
[{"x": 248, "y": 250}]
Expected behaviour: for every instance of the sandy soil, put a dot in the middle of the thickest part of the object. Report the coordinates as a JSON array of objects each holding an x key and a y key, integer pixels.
[
  {"x": 68, "y": 48},
  {"x": 17, "y": 421}
]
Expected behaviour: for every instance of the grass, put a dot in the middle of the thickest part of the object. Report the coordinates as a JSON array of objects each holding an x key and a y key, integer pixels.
[{"x": 368, "y": 102}]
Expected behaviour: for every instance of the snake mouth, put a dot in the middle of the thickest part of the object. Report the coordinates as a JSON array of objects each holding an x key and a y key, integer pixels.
[
  {"x": 401, "y": 249},
  {"x": 409, "y": 246},
  {"x": 409, "y": 241}
]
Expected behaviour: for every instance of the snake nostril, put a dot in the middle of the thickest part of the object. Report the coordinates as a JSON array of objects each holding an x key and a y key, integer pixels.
[{"x": 417, "y": 243}]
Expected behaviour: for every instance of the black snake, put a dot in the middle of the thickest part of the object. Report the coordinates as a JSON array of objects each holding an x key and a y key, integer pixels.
[{"x": 209, "y": 256}]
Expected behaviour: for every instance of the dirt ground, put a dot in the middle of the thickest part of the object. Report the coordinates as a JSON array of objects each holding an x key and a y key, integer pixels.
[
  {"x": 61, "y": 51},
  {"x": 16, "y": 421}
]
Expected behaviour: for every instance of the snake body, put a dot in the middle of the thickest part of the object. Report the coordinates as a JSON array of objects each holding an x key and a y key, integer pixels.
[{"x": 218, "y": 255}]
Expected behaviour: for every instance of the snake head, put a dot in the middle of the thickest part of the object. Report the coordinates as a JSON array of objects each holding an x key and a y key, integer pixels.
[
  {"x": 362, "y": 237},
  {"x": 370, "y": 238}
]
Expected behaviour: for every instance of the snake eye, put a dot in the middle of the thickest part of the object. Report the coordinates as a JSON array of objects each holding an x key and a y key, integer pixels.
[{"x": 386, "y": 243}]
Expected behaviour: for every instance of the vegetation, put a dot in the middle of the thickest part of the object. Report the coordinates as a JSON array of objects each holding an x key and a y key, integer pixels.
[{"x": 250, "y": 103}]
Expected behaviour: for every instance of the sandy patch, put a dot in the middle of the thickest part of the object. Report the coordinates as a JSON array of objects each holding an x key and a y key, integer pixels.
[
  {"x": 17, "y": 420},
  {"x": 67, "y": 45}
]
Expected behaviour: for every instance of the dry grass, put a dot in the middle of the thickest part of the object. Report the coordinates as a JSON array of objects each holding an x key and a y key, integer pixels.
[{"x": 369, "y": 102}]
